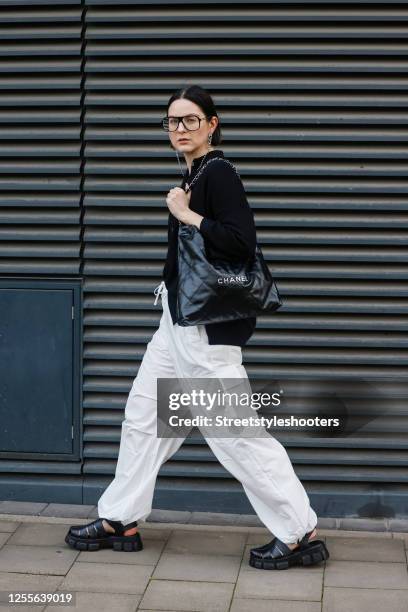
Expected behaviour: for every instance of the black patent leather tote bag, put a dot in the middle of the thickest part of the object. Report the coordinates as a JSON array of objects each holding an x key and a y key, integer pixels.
[{"x": 218, "y": 290}]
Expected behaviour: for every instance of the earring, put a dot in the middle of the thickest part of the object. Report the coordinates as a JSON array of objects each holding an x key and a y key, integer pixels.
[{"x": 209, "y": 138}]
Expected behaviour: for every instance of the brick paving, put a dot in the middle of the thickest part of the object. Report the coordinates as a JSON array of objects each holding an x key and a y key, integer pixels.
[{"x": 195, "y": 562}]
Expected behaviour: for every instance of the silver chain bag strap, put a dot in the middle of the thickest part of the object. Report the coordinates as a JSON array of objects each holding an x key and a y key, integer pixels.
[{"x": 188, "y": 186}]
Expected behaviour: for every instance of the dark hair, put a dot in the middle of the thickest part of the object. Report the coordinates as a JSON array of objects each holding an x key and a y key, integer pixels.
[{"x": 203, "y": 99}]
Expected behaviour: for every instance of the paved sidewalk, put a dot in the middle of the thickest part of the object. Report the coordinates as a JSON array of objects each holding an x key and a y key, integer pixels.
[{"x": 197, "y": 567}]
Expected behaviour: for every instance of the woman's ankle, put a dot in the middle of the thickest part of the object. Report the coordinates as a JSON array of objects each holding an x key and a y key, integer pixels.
[
  {"x": 110, "y": 529},
  {"x": 131, "y": 531},
  {"x": 313, "y": 534}
]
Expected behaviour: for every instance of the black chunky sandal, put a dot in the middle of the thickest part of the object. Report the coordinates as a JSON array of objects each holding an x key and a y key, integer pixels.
[
  {"x": 277, "y": 555},
  {"x": 94, "y": 536}
]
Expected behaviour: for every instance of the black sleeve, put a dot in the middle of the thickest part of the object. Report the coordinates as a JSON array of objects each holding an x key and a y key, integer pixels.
[
  {"x": 164, "y": 272},
  {"x": 232, "y": 231}
]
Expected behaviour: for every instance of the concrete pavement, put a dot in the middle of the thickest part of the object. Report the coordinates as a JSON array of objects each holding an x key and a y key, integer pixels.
[{"x": 192, "y": 566}]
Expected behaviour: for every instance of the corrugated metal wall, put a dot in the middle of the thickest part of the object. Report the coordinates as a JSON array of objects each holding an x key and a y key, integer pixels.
[
  {"x": 40, "y": 194},
  {"x": 312, "y": 99},
  {"x": 40, "y": 137}
]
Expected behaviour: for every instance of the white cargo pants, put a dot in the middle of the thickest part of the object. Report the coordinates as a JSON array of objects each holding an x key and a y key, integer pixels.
[{"x": 261, "y": 464}]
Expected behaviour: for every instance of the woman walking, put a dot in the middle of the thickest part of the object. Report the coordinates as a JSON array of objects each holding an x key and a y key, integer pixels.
[{"x": 218, "y": 207}]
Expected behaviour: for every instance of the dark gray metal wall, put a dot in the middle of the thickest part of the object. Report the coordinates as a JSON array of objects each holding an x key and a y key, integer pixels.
[
  {"x": 312, "y": 99},
  {"x": 40, "y": 137},
  {"x": 40, "y": 208}
]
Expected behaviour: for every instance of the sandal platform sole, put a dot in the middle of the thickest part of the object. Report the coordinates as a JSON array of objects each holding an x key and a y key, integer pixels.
[
  {"x": 309, "y": 555},
  {"x": 123, "y": 543}
]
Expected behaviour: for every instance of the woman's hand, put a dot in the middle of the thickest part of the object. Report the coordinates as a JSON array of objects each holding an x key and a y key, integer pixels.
[{"x": 178, "y": 202}]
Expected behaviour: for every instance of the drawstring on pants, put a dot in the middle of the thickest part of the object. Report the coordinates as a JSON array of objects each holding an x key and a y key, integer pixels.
[{"x": 159, "y": 289}]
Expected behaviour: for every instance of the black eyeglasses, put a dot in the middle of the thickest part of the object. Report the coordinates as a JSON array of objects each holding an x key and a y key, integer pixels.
[{"x": 190, "y": 122}]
